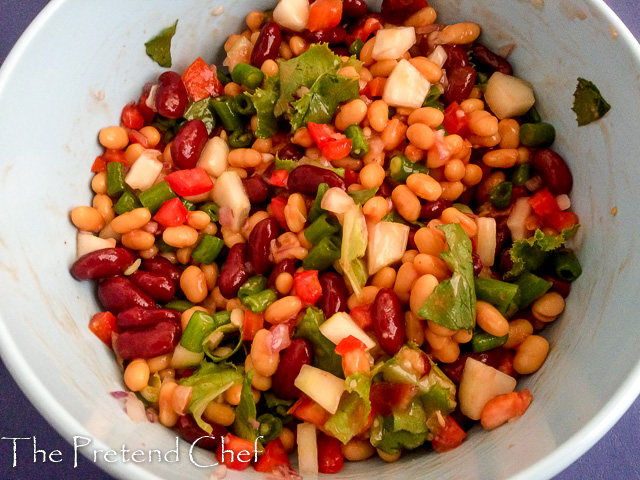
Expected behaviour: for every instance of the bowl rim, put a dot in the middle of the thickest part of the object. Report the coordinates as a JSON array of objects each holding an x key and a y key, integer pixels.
[{"x": 67, "y": 425}]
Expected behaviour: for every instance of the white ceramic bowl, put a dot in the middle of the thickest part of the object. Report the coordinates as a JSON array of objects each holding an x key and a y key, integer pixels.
[{"x": 80, "y": 62}]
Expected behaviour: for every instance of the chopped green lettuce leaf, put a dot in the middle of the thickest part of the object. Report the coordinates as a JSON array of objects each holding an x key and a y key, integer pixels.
[
  {"x": 159, "y": 47},
  {"x": 354, "y": 245},
  {"x": 353, "y": 412},
  {"x": 202, "y": 110},
  {"x": 209, "y": 381},
  {"x": 264, "y": 100},
  {"x": 529, "y": 254},
  {"x": 402, "y": 430},
  {"x": 362, "y": 196},
  {"x": 588, "y": 103},
  {"x": 246, "y": 412},
  {"x": 321, "y": 102},
  {"x": 278, "y": 406},
  {"x": 453, "y": 302},
  {"x": 325, "y": 356}
]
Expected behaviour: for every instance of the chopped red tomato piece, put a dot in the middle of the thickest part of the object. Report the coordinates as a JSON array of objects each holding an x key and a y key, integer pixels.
[
  {"x": 363, "y": 29},
  {"x": 330, "y": 458},
  {"x": 332, "y": 144},
  {"x": 387, "y": 397},
  {"x": 374, "y": 88},
  {"x": 308, "y": 286},
  {"x": 201, "y": 81},
  {"x": 562, "y": 220},
  {"x": 456, "y": 120},
  {"x": 277, "y": 209},
  {"x": 362, "y": 316},
  {"x": 252, "y": 323},
  {"x": 100, "y": 163},
  {"x": 321, "y": 133},
  {"x": 354, "y": 356},
  {"x": 131, "y": 116},
  {"x": 235, "y": 453},
  {"x": 172, "y": 213},
  {"x": 544, "y": 203},
  {"x": 102, "y": 325},
  {"x": 146, "y": 112},
  {"x": 448, "y": 437},
  {"x": 336, "y": 149},
  {"x": 274, "y": 456},
  {"x": 279, "y": 178},
  {"x": 324, "y": 14},
  {"x": 505, "y": 408},
  {"x": 193, "y": 181},
  {"x": 307, "y": 410}
]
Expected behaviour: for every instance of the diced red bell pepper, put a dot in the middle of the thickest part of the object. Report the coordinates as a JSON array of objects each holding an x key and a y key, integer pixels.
[
  {"x": 279, "y": 178},
  {"x": 308, "y": 286},
  {"x": 277, "y": 209},
  {"x": 100, "y": 163},
  {"x": 136, "y": 137},
  {"x": 363, "y": 29},
  {"x": 131, "y": 116},
  {"x": 321, "y": 133},
  {"x": 349, "y": 344},
  {"x": 146, "y": 112},
  {"x": 336, "y": 149},
  {"x": 252, "y": 323},
  {"x": 354, "y": 356},
  {"x": 332, "y": 144},
  {"x": 387, "y": 397},
  {"x": 374, "y": 88},
  {"x": 544, "y": 203},
  {"x": 274, "y": 456},
  {"x": 330, "y": 458},
  {"x": 201, "y": 81},
  {"x": 192, "y": 181},
  {"x": 350, "y": 177},
  {"x": 172, "y": 213},
  {"x": 448, "y": 437},
  {"x": 324, "y": 14},
  {"x": 362, "y": 316},
  {"x": 561, "y": 220},
  {"x": 102, "y": 325},
  {"x": 456, "y": 120},
  {"x": 234, "y": 447},
  {"x": 307, "y": 410}
]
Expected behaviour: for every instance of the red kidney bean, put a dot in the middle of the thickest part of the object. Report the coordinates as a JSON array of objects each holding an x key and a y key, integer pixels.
[
  {"x": 504, "y": 260},
  {"x": 157, "y": 285},
  {"x": 454, "y": 370},
  {"x": 411, "y": 241},
  {"x": 490, "y": 62},
  {"x": 397, "y": 11},
  {"x": 291, "y": 151},
  {"x": 560, "y": 286},
  {"x": 257, "y": 189},
  {"x": 188, "y": 144},
  {"x": 292, "y": 358},
  {"x": 119, "y": 293},
  {"x": 334, "y": 294},
  {"x": 260, "y": 243},
  {"x": 267, "y": 45},
  {"x": 150, "y": 342},
  {"x": 332, "y": 36},
  {"x": 102, "y": 263},
  {"x": 554, "y": 171},
  {"x": 137, "y": 317},
  {"x": 354, "y": 8},
  {"x": 477, "y": 263},
  {"x": 288, "y": 265},
  {"x": 385, "y": 189},
  {"x": 503, "y": 236},
  {"x": 433, "y": 209},
  {"x": 236, "y": 271},
  {"x": 171, "y": 95},
  {"x": 164, "y": 267},
  {"x": 306, "y": 178},
  {"x": 388, "y": 321},
  {"x": 460, "y": 83},
  {"x": 456, "y": 57},
  {"x": 191, "y": 432}
]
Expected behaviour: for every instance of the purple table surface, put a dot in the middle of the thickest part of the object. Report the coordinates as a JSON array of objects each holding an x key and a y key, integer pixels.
[{"x": 617, "y": 455}]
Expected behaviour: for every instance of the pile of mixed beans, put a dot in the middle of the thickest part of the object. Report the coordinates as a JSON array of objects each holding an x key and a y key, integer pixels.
[{"x": 343, "y": 240}]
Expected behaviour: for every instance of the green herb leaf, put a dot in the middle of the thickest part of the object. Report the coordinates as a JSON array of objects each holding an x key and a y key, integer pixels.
[
  {"x": 353, "y": 412},
  {"x": 264, "y": 100},
  {"x": 202, "y": 111},
  {"x": 588, "y": 103},
  {"x": 362, "y": 196},
  {"x": 278, "y": 406},
  {"x": 246, "y": 412},
  {"x": 325, "y": 356},
  {"x": 453, "y": 302},
  {"x": 354, "y": 244},
  {"x": 159, "y": 47},
  {"x": 402, "y": 430}
]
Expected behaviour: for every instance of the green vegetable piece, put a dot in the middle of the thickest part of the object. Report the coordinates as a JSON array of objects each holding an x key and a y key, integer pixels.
[
  {"x": 402, "y": 430},
  {"x": 152, "y": 391},
  {"x": 521, "y": 173},
  {"x": 359, "y": 145},
  {"x": 229, "y": 117},
  {"x": 461, "y": 207},
  {"x": 588, "y": 103},
  {"x": 211, "y": 209},
  {"x": 325, "y": 356},
  {"x": 277, "y": 406},
  {"x": 354, "y": 246},
  {"x": 164, "y": 246},
  {"x": 530, "y": 287},
  {"x": 156, "y": 196},
  {"x": 253, "y": 285},
  {"x": 247, "y": 75},
  {"x": 362, "y": 196},
  {"x": 401, "y": 167},
  {"x": 530, "y": 253},
  {"x": 353, "y": 412},
  {"x": 224, "y": 332},
  {"x": 159, "y": 47},
  {"x": 453, "y": 302},
  {"x": 246, "y": 411},
  {"x": 201, "y": 110},
  {"x": 270, "y": 427},
  {"x": 179, "y": 305},
  {"x": 208, "y": 249},
  {"x": 537, "y": 134},
  {"x": 566, "y": 265},
  {"x": 208, "y": 382},
  {"x": 496, "y": 292},
  {"x": 259, "y": 302},
  {"x": 223, "y": 75},
  {"x": 115, "y": 179},
  {"x": 323, "y": 226},
  {"x": 356, "y": 47},
  {"x": 264, "y": 101},
  {"x": 322, "y": 256},
  {"x": 483, "y": 341},
  {"x": 287, "y": 164},
  {"x": 320, "y": 103},
  {"x": 188, "y": 204},
  {"x": 532, "y": 116},
  {"x": 243, "y": 104},
  {"x": 315, "y": 211},
  {"x": 432, "y": 98},
  {"x": 500, "y": 195},
  {"x": 241, "y": 139},
  {"x": 127, "y": 202},
  {"x": 200, "y": 325}
]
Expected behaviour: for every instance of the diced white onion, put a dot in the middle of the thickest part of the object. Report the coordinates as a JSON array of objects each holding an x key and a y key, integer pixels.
[
  {"x": 307, "y": 449},
  {"x": 183, "y": 358},
  {"x": 337, "y": 201},
  {"x": 518, "y": 217},
  {"x": 438, "y": 56},
  {"x": 213, "y": 158},
  {"x": 564, "y": 202},
  {"x": 135, "y": 409},
  {"x": 486, "y": 247},
  {"x": 145, "y": 170},
  {"x": 87, "y": 243},
  {"x": 405, "y": 87},
  {"x": 292, "y": 14},
  {"x": 393, "y": 43}
]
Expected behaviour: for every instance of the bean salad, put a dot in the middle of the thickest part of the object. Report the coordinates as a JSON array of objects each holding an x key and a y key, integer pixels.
[{"x": 344, "y": 241}]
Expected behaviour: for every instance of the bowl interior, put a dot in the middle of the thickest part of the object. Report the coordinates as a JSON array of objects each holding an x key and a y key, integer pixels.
[{"x": 72, "y": 75}]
